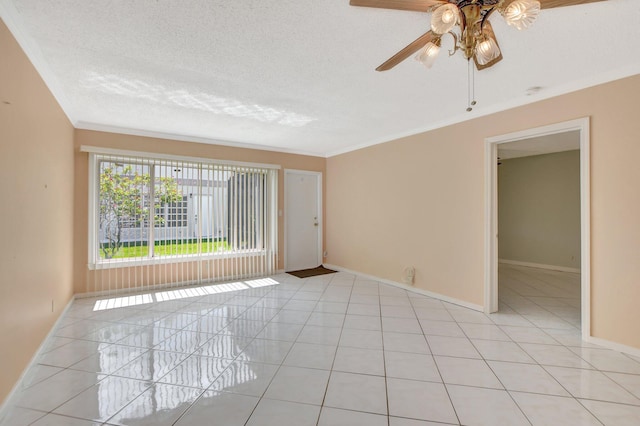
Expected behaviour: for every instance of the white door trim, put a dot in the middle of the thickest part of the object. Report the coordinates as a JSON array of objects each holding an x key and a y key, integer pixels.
[
  {"x": 288, "y": 172},
  {"x": 491, "y": 213}
]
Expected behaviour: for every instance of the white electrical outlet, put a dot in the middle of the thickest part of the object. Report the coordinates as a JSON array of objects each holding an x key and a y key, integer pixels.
[{"x": 409, "y": 275}]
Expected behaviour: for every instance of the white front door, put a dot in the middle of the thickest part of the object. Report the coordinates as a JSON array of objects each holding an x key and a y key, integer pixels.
[{"x": 303, "y": 221}]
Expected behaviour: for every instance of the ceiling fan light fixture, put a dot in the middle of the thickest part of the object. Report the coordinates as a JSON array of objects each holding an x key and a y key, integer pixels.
[
  {"x": 428, "y": 54},
  {"x": 521, "y": 13},
  {"x": 486, "y": 51},
  {"x": 444, "y": 18}
]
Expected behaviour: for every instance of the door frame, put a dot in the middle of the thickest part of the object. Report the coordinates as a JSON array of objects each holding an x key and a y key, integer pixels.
[
  {"x": 491, "y": 213},
  {"x": 287, "y": 174}
]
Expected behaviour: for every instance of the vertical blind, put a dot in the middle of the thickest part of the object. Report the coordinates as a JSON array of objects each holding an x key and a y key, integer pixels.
[{"x": 172, "y": 222}]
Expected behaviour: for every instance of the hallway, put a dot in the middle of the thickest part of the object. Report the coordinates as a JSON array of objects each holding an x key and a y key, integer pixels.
[{"x": 548, "y": 299}]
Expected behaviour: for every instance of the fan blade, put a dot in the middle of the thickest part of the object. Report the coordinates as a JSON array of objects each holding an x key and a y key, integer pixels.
[
  {"x": 488, "y": 29},
  {"x": 548, "y": 4},
  {"x": 412, "y": 5},
  {"x": 412, "y": 48}
]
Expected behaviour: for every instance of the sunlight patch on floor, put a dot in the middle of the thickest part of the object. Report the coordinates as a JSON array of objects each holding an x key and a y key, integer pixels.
[{"x": 182, "y": 293}]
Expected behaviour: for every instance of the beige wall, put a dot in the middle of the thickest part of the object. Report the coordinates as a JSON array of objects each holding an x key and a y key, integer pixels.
[
  {"x": 82, "y": 277},
  {"x": 539, "y": 209},
  {"x": 419, "y": 201},
  {"x": 36, "y": 210}
]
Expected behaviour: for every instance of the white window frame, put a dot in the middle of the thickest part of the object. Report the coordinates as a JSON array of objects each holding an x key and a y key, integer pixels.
[{"x": 94, "y": 261}]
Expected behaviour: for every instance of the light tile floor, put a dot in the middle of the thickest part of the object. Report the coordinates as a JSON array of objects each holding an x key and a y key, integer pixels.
[{"x": 332, "y": 350}]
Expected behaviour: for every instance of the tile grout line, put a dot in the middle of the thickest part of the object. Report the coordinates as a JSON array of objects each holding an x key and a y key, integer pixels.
[{"x": 326, "y": 390}]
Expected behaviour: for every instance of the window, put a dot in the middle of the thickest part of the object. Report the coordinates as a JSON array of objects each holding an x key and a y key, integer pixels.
[{"x": 146, "y": 209}]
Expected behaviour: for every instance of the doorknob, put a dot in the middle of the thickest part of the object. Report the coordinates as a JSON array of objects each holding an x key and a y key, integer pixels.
[{"x": 315, "y": 221}]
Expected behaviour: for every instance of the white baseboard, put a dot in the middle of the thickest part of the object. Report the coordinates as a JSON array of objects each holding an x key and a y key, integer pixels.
[
  {"x": 539, "y": 266},
  {"x": 409, "y": 288},
  {"x": 595, "y": 340},
  {"x": 5, "y": 406},
  {"x": 630, "y": 350}
]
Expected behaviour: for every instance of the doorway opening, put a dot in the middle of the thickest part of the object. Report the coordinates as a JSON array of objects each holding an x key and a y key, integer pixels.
[{"x": 565, "y": 136}]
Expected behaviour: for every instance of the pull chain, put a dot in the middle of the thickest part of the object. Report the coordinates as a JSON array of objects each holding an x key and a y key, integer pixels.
[{"x": 471, "y": 86}]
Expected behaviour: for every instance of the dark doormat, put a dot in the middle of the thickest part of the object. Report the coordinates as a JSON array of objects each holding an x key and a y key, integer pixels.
[{"x": 306, "y": 273}]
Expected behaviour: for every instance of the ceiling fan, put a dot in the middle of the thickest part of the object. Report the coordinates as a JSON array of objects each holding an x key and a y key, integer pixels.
[{"x": 474, "y": 36}]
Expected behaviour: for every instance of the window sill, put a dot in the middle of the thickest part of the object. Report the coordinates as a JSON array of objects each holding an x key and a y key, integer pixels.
[{"x": 163, "y": 260}]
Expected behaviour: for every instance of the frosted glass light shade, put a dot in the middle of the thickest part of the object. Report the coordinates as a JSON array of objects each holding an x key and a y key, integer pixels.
[
  {"x": 486, "y": 51},
  {"x": 428, "y": 54},
  {"x": 444, "y": 18},
  {"x": 521, "y": 13}
]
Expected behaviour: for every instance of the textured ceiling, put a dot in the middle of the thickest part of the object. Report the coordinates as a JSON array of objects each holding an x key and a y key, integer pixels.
[{"x": 297, "y": 75}]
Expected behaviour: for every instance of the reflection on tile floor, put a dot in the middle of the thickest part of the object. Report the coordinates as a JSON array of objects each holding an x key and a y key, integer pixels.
[{"x": 331, "y": 350}]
